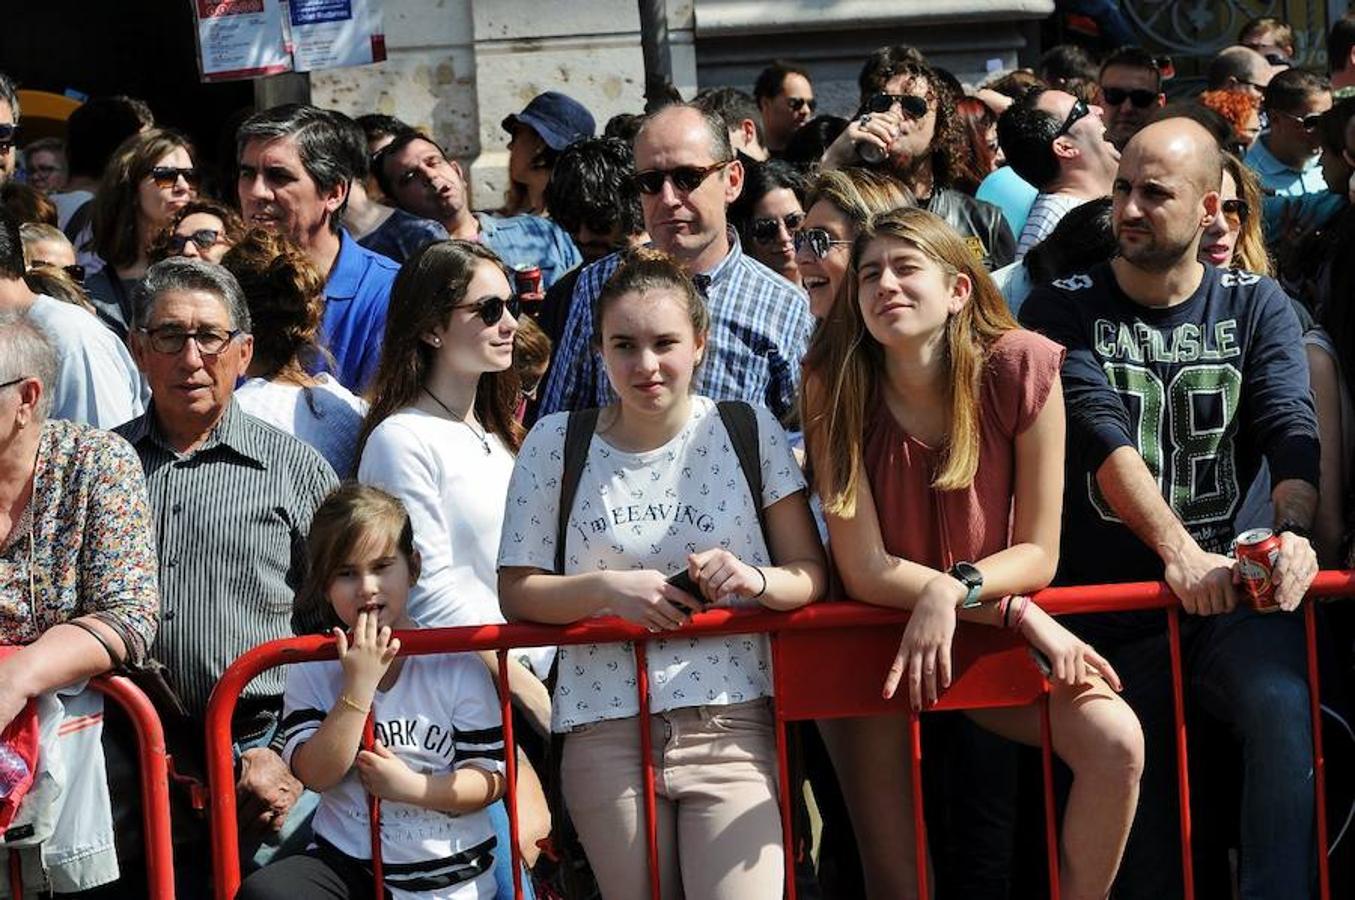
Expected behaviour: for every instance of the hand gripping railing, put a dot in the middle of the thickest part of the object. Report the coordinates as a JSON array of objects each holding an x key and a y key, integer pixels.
[
  {"x": 153, "y": 762},
  {"x": 829, "y": 660}
]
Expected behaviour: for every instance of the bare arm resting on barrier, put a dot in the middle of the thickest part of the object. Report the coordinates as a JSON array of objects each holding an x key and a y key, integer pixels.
[
  {"x": 646, "y": 598},
  {"x": 65, "y": 654}
]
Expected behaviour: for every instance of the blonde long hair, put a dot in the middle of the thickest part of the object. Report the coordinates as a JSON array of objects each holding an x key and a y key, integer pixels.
[
  {"x": 845, "y": 365},
  {"x": 1250, "y": 253}
]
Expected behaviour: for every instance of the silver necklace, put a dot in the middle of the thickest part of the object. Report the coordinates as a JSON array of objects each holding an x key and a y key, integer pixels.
[{"x": 483, "y": 436}]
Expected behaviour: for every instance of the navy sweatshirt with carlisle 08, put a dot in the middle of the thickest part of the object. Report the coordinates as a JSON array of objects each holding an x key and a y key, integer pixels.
[{"x": 1202, "y": 390}]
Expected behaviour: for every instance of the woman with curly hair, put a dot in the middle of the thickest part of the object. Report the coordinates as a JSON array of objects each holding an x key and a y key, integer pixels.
[
  {"x": 204, "y": 229},
  {"x": 1243, "y": 112}
]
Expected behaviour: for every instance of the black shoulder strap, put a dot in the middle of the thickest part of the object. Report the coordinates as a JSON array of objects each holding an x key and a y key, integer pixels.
[
  {"x": 741, "y": 422},
  {"x": 578, "y": 435}
]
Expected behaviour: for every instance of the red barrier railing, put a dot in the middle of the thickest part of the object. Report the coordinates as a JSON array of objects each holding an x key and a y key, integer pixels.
[
  {"x": 154, "y": 766},
  {"x": 991, "y": 668}
]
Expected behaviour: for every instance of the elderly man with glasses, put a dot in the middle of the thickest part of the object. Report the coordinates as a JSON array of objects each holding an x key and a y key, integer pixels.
[
  {"x": 687, "y": 177},
  {"x": 233, "y": 500}
]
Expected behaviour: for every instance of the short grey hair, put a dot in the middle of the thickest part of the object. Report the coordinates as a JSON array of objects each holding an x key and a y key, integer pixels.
[
  {"x": 27, "y": 352},
  {"x": 179, "y": 273}
]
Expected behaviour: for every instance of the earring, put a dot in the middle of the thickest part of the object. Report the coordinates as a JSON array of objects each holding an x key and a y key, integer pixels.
[{"x": 437, "y": 342}]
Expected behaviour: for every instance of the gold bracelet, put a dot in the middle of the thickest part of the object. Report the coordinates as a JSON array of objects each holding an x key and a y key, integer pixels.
[{"x": 353, "y": 704}]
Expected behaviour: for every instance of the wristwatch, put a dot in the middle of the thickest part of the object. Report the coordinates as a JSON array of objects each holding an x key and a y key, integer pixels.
[{"x": 968, "y": 575}]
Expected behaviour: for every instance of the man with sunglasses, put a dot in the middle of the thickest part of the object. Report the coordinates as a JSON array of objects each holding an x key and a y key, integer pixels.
[
  {"x": 96, "y": 380},
  {"x": 1179, "y": 379},
  {"x": 687, "y": 177},
  {"x": 1271, "y": 37},
  {"x": 232, "y": 500},
  {"x": 9, "y": 126},
  {"x": 1057, "y": 143},
  {"x": 906, "y": 127},
  {"x": 785, "y": 99},
  {"x": 1285, "y": 156},
  {"x": 1130, "y": 86}
]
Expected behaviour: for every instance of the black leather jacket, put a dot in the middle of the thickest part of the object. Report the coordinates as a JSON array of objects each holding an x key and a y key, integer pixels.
[{"x": 980, "y": 224}]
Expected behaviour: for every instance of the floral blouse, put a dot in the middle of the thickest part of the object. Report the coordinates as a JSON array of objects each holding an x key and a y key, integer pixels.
[{"x": 84, "y": 544}]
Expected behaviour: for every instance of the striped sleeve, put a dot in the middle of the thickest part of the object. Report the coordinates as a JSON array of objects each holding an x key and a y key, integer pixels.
[
  {"x": 306, "y": 701},
  {"x": 476, "y": 719}
]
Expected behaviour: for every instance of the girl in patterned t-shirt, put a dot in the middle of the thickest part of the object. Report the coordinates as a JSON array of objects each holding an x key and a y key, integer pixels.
[{"x": 662, "y": 492}]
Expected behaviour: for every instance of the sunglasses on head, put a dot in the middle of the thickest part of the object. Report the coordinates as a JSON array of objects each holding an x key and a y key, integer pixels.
[
  {"x": 798, "y": 103},
  {"x": 1142, "y": 98},
  {"x": 818, "y": 240},
  {"x": 491, "y": 309},
  {"x": 685, "y": 178},
  {"x": 1079, "y": 111},
  {"x": 767, "y": 229},
  {"x": 912, "y": 106},
  {"x": 75, "y": 270},
  {"x": 168, "y": 176},
  {"x": 204, "y": 238},
  {"x": 1236, "y": 212}
]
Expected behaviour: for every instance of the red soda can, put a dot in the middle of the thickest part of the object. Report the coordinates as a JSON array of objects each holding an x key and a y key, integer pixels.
[
  {"x": 527, "y": 282},
  {"x": 1256, "y": 552}
]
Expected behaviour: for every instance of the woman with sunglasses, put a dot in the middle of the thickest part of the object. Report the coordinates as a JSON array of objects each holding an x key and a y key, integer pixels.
[
  {"x": 441, "y": 436},
  {"x": 150, "y": 177},
  {"x": 768, "y": 213},
  {"x": 1234, "y": 239},
  {"x": 202, "y": 229}
]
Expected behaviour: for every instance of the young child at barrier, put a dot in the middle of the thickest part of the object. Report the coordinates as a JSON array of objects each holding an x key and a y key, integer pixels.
[
  {"x": 439, "y": 754},
  {"x": 936, "y": 433},
  {"x": 606, "y": 509}
]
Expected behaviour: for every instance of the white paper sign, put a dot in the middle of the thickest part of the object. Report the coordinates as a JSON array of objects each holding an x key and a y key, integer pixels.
[
  {"x": 329, "y": 34},
  {"x": 241, "y": 39}
]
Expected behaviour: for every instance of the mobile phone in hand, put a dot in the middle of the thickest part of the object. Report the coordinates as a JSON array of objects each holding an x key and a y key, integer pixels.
[{"x": 683, "y": 581}]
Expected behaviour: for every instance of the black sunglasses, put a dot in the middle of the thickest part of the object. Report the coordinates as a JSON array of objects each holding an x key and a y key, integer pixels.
[
  {"x": 818, "y": 240},
  {"x": 767, "y": 230},
  {"x": 204, "y": 238},
  {"x": 7, "y": 131},
  {"x": 1079, "y": 111},
  {"x": 798, "y": 103},
  {"x": 14, "y": 381},
  {"x": 912, "y": 106},
  {"x": 1236, "y": 212},
  {"x": 1307, "y": 123},
  {"x": 685, "y": 178},
  {"x": 1142, "y": 98},
  {"x": 491, "y": 309},
  {"x": 75, "y": 270},
  {"x": 168, "y": 176}
]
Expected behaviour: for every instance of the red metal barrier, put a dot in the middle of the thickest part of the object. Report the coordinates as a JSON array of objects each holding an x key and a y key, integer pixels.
[
  {"x": 980, "y": 679},
  {"x": 154, "y": 767}
]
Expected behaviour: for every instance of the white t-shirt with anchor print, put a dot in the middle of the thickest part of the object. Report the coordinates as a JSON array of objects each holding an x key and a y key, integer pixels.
[{"x": 648, "y": 511}]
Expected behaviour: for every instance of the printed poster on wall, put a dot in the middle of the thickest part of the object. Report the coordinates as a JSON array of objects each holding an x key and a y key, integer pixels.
[
  {"x": 241, "y": 39},
  {"x": 329, "y": 34},
  {"x": 253, "y": 38}
]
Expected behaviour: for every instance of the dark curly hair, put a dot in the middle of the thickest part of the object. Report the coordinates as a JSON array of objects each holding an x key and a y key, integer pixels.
[
  {"x": 947, "y": 149},
  {"x": 593, "y": 184},
  {"x": 286, "y": 298}
]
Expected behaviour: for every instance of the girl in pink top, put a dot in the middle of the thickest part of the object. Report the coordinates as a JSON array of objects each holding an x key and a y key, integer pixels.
[{"x": 935, "y": 427}]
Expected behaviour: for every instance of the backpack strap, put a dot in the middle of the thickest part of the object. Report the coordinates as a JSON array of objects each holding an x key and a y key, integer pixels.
[
  {"x": 740, "y": 420},
  {"x": 578, "y": 435}
]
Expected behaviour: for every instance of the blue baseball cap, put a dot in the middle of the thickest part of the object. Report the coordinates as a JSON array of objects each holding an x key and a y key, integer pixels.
[{"x": 560, "y": 120}]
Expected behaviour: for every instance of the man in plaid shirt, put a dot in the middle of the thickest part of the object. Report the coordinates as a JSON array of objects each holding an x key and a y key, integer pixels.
[{"x": 759, "y": 322}]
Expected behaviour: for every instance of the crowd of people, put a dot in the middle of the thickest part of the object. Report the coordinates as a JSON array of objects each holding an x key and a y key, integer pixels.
[{"x": 971, "y": 342}]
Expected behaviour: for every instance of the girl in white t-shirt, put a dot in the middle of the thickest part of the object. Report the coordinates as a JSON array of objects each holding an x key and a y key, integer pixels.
[
  {"x": 662, "y": 492},
  {"x": 438, "y": 760},
  {"x": 441, "y": 436}
]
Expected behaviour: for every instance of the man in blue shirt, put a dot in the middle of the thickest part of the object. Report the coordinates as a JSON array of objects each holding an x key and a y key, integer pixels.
[
  {"x": 760, "y": 323},
  {"x": 1285, "y": 156},
  {"x": 1179, "y": 378},
  {"x": 294, "y": 179},
  {"x": 414, "y": 172}
]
